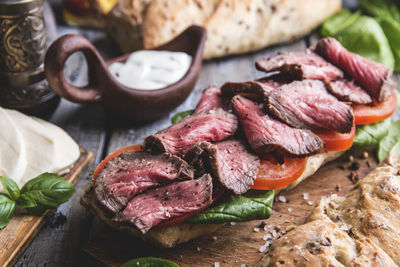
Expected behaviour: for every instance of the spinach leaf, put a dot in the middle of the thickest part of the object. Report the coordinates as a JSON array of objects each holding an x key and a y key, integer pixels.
[
  {"x": 338, "y": 22},
  {"x": 387, "y": 14},
  {"x": 47, "y": 191},
  {"x": 253, "y": 205},
  {"x": 371, "y": 134},
  {"x": 149, "y": 262},
  {"x": 381, "y": 8},
  {"x": 178, "y": 116},
  {"x": 362, "y": 35},
  {"x": 391, "y": 28},
  {"x": 389, "y": 141},
  {"x": 398, "y": 98},
  {"x": 7, "y": 208},
  {"x": 10, "y": 187}
]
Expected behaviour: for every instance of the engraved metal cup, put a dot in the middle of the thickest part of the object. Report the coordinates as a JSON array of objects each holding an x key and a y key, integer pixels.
[{"x": 22, "y": 48}]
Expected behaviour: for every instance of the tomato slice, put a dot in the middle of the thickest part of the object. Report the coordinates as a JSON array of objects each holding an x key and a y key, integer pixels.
[
  {"x": 275, "y": 175},
  {"x": 113, "y": 155},
  {"x": 367, "y": 114},
  {"x": 335, "y": 141}
]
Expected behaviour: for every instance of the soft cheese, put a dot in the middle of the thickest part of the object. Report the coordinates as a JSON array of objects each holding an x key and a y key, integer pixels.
[{"x": 30, "y": 146}]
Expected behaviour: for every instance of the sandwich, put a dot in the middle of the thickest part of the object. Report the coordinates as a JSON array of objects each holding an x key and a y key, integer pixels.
[{"x": 243, "y": 141}]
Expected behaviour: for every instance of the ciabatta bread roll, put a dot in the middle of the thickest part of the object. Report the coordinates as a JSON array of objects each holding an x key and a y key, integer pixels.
[{"x": 233, "y": 26}]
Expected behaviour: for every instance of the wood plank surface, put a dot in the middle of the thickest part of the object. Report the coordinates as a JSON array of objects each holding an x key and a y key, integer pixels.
[
  {"x": 91, "y": 127},
  {"x": 24, "y": 227},
  {"x": 234, "y": 245}
]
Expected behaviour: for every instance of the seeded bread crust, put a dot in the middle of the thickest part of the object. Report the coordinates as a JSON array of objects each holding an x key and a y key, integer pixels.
[
  {"x": 360, "y": 229},
  {"x": 233, "y": 26}
]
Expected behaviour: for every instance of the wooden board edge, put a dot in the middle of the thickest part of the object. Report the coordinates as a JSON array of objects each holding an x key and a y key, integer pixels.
[{"x": 85, "y": 157}]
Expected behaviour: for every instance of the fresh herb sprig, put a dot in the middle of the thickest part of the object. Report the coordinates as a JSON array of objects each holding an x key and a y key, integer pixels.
[{"x": 46, "y": 191}]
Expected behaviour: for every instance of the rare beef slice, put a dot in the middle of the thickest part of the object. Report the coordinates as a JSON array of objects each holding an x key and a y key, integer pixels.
[
  {"x": 211, "y": 125},
  {"x": 348, "y": 91},
  {"x": 307, "y": 105},
  {"x": 253, "y": 90},
  {"x": 230, "y": 162},
  {"x": 373, "y": 76},
  {"x": 266, "y": 134},
  {"x": 133, "y": 172},
  {"x": 211, "y": 99},
  {"x": 164, "y": 203},
  {"x": 299, "y": 65}
]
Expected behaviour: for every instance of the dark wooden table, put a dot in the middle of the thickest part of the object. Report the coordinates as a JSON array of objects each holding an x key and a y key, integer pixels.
[{"x": 91, "y": 127}]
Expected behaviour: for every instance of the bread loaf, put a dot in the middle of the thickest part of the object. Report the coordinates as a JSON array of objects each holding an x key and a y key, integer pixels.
[
  {"x": 233, "y": 26},
  {"x": 360, "y": 229}
]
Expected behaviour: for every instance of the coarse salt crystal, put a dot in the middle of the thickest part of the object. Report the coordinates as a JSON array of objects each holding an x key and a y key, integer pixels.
[
  {"x": 267, "y": 236},
  {"x": 282, "y": 199},
  {"x": 289, "y": 209},
  {"x": 233, "y": 223},
  {"x": 310, "y": 203},
  {"x": 216, "y": 264},
  {"x": 256, "y": 229},
  {"x": 243, "y": 265},
  {"x": 262, "y": 249},
  {"x": 273, "y": 232},
  {"x": 198, "y": 248},
  {"x": 305, "y": 196}
]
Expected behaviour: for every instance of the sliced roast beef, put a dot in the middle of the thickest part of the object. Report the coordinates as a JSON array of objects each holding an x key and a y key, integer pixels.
[
  {"x": 273, "y": 83},
  {"x": 133, "y": 172},
  {"x": 211, "y": 99},
  {"x": 230, "y": 161},
  {"x": 163, "y": 203},
  {"x": 211, "y": 125},
  {"x": 299, "y": 65},
  {"x": 348, "y": 91},
  {"x": 373, "y": 76},
  {"x": 266, "y": 134},
  {"x": 254, "y": 90},
  {"x": 307, "y": 105}
]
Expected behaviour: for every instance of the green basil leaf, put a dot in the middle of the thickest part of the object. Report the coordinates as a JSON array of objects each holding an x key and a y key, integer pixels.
[
  {"x": 11, "y": 187},
  {"x": 371, "y": 134},
  {"x": 7, "y": 208},
  {"x": 48, "y": 190},
  {"x": 26, "y": 201},
  {"x": 149, "y": 262},
  {"x": 253, "y": 205},
  {"x": 389, "y": 141},
  {"x": 178, "y": 116},
  {"x": 362, "y": 35}
]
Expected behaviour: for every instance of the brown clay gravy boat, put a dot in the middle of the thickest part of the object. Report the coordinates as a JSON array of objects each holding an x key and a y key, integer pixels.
[{"x": 133, "y": 104}]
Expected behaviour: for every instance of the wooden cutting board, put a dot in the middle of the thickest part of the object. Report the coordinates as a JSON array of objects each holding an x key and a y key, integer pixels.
[
  {"x": 234, "y": 245},
  {"x": 23, "y": 228}
]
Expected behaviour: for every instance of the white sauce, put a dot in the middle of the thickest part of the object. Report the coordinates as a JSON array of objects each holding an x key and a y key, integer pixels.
[{"x": 151, "y": 69}]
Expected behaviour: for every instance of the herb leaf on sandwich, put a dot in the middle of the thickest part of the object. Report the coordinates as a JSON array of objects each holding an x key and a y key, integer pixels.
[{"x": 253, "y": 205}]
